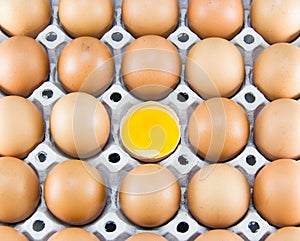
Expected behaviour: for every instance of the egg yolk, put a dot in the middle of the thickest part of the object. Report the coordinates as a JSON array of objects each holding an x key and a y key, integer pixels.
[{"x": 150, "y": 132}]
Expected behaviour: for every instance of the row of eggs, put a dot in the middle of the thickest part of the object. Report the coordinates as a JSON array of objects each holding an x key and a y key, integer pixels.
[
  {"x": 151, "y": 67},
  {"x": 142, "y": 17},
  {"x": 218, "y": 195},
  {"x": 77, "y": 234},
  {"x": 218, "y": 128}
]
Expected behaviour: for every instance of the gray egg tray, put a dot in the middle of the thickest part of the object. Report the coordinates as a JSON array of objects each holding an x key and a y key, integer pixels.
[{"x": 114, "y": 163}]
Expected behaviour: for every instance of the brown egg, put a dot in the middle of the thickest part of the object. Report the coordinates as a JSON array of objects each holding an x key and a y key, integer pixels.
[
  {"x": 146, "y": 17},
  {"x": 218, "y": 235},
  {"x": 218, "y": 129},
  {"x": 28, "y": 17},
  {"x": 276, "y": 192},
  {"x": 215, "y": 67},
  {"x": 218, "y": 195},
  {"x": 21, "y": 126},
  {"x": 276, "y": 21},
  {"x": 87, "y": 65},
  {"x": 24, "y": 65},
  {"x": 149, "y": 195},
  {"x": 151, "y": 67},
  {"x": 276, "y": 71},
  {"x": 75, "y": 192},
  {"x": 19, "y": 190},
  {"x": 11, "y": 234},
  {"x": 216, "y": 18},
  {"x": 146, "y": 237},
  {"x": 73, "y": 234},
  {"x": 81, "y": 19},
  {"x": 288, "y": 233},
  {"x": 277, "y": 129},
  {"x": 79, "y": 125}
]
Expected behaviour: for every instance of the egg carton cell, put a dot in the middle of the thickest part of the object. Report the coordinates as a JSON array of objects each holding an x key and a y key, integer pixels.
[{"x": 114, "y": 162}]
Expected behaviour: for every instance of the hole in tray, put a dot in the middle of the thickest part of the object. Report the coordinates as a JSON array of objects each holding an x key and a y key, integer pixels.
[
  {"x": 47, "y": 94},
  {"x": 182, "y": 97},
  {"x": 42, "y": 156},
  {"x": 249, "y": 97},
  {"x": 51, "y": 36},
  {"x": 251, "y": 160},
  {"x": 38, "y": 225},
  {"x": 253, "y": 226},
  {"x": 249, "y": 39},
  {"x": 110, "y": 226},
  {"x": 116, "y": 97},
  {"x": 117, "y": 36},
  {"x": 114, "y": 158},
  {"x": 183, "y": 160},
  {"x": 182, "y": 227},
  {"x": 183, "y": 37}
]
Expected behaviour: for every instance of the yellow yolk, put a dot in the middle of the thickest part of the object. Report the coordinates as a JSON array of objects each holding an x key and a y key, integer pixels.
[{"x": 150, "y": 133}]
